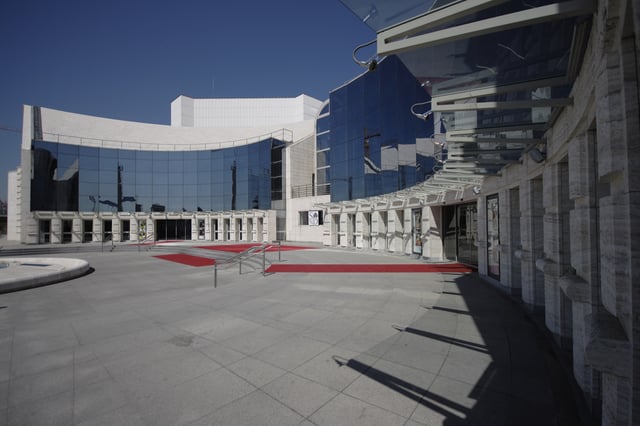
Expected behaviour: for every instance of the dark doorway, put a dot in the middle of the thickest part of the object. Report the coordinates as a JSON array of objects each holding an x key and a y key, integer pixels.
[
  {"x": 67, "y": 230},
  {"x": 173, "y": 229},
  {"x": 87, "y": 235}
]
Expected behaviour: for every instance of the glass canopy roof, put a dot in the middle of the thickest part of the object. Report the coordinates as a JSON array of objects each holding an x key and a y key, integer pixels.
[{"x": 497, "y": 71}]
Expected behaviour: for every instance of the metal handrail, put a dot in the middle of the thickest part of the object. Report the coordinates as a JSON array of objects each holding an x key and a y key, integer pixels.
[{"x": 238, "y": 258}]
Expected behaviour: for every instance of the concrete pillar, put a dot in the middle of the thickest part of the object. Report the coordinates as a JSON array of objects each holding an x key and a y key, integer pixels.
[
  {"x": 433, "y": 228},
  {"x": 531, "y": 236},
  {"x": 556, "y": 260},
  {"x": 76, "y": 230},
  {"x": 394, "y": 230},
  {"x": 116, "y": 229}
]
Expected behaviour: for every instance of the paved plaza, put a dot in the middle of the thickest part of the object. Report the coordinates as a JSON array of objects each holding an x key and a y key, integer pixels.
[{"x": 145, "y": 341}]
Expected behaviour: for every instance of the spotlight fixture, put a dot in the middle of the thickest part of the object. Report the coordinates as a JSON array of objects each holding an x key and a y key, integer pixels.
[
  {"x": 537, "y": 155},
  {"x": 370, "y": 64},
  {"x": 424, "y": 115}
]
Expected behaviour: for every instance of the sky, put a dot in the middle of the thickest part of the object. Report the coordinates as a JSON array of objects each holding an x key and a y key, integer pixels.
[{"x": 128, "y": 59}]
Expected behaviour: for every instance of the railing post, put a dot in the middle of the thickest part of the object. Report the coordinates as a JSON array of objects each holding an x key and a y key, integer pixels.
[
  {"x": 215, "y": 275},
  {"x": 279, "y": 250}
]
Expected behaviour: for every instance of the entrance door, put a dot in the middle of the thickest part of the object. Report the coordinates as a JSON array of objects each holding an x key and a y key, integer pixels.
[
  {"x": 214, "y": 229},
  {"x": 67, "y": 230},
  {"x": 173, "y": 229},
  {"x": 45, "y": 231},
  {"x": 126, "y": 230},
  {"x": 87, "y": 234},
  {"x": 250, "y": 229},
  {"x": 201, "y": 229},
  {"x": 239, "y": 234},
  {"x": 416, "y": 231},
  {"x": 468, "y": 234},
  {"x": 107, "y": 230}
]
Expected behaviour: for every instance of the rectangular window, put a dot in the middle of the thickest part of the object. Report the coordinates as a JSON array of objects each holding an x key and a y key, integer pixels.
[
  {"x": 311, "y": 217},
  {"x": 493, "y": 237}
]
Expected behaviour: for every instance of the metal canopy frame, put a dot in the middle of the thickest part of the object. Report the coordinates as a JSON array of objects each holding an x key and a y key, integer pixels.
[{"x": 399, "y": 39}]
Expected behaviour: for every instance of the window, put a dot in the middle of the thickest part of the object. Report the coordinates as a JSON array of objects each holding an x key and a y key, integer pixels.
[{"x": 311, "y": 217}]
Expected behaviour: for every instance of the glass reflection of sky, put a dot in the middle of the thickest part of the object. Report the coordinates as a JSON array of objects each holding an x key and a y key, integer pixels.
[{"x": 79, "y": 178}]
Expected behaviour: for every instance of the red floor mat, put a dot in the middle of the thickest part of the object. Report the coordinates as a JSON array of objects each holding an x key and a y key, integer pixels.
[
  {"x": 393, "y": 267},
  {"x": 187, "y": 259},
  {"x": 237, "y": 248}
]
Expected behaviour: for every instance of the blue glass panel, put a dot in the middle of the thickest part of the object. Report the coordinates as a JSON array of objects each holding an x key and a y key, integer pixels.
[
  {"x": 126, "y": 154},
  {"x": 323, "y": 141},
  {"x": 323, "y": 124},
  {"x": 65, "y": 149},
  {"x": 108, "y": 176},
  {"x": 108, "y": 153},
  {"x": 127, "y": 164},
  {"x": 89, "y": 163},
  {"x": 144, "y": 178},
  {"x": 88, "y": 151}
]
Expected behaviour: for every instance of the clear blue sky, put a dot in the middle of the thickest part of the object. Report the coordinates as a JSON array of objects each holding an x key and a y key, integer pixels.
[{"x": 129, "y": 59}]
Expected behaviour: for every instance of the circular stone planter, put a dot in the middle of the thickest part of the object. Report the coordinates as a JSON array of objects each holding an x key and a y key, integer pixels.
[{"x": 19, "y": 273}]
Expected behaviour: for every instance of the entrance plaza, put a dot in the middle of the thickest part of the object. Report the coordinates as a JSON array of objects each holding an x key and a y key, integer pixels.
[{"x": 142, "y": 340}]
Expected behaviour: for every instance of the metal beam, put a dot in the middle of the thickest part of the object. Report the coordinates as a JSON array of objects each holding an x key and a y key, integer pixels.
[
  {"x": 475, "y": 139},
  {"x": 388, "y": 46},
  {"x": 474, "y": 106},
  {"x": 454, "y": 95},
  {"x": 438, "y": 17},
  {"x": 486, "y": 130}
]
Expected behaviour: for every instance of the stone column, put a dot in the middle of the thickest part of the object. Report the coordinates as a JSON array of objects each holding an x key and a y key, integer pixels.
[
  {"x": 581, "y": 285},
  {"x": 531, "y": 236},
  {"x": 76, "y": 230},
  {"x": 557, "y": 251},
  {"x": 56, "y": 230}
]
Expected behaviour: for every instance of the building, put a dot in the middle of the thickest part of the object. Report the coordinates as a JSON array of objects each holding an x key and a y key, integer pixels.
[
  {"x": 499, "y": 134},
  {"x": 96, "y": 179}
]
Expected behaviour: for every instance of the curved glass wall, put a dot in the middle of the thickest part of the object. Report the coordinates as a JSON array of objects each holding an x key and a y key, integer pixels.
[
  {"x": 79, "y": 178},
  {"x": 374, "y": 144}
]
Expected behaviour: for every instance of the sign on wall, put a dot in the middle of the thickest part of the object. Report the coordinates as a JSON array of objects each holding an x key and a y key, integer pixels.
[{"x": 314, "y": 218}]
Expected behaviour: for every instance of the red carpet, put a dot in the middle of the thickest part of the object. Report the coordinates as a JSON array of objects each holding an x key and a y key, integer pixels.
[
  {"x": 392, "y": 267},
  {"x": 237, "y": 248},
  {"x": 187, "y": 259}
]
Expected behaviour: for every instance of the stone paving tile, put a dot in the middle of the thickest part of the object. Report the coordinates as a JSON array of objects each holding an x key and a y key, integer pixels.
[
  {"x": 302, "y": 395},
  {"x": 127, "y": 345},
  {"x": 121, "y": 416},
  {"x": 52, "y": 410},
  {"x": 96, "y": 399},
  {"x": 255, "y": 340},
  {"x": 335, "y": 328},
  {"x": 100, "y": 327},
  {"x": 307, "y": 317},
  {"x": 222, "y": 354},
  {"x": 4, "y": 394},
  {"x": 391, "y": 386},
  {"x": 256, "y": 372},
  {"x": 257, "y": 408},
  {"x": 292, "y": 352},
  {"x": 193, "y": 400},
  {"x": 347, "y": 411},
  {"x": 37, "y": 386},
  {"x": 173, "y": 311},
  {"x": 42, "y": 362},
  {"x": 87, "y": 372},
  {"x": 329, "y": 368},
  {"x": 416, "y": 352},
  {"x": 144, "y": 378}
]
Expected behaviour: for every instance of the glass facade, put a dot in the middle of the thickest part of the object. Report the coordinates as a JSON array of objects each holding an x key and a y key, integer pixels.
[
  {"x": 89, "y": 179},
  {"x": 371, "y": 147}
]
